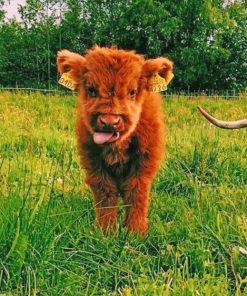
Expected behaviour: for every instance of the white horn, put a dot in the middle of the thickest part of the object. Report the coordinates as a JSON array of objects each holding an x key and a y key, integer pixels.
[{"x": 223, "y": 124}]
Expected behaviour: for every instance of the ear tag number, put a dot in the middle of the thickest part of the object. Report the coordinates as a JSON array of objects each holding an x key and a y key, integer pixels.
[
  {"x": 158, "y": 83},
  {"x": 67, "y": 81}
]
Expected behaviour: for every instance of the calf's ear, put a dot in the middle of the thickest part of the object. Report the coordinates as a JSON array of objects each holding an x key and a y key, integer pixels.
[
  {"x": 152, "y": 67},
  {"x": 71, "y": 62}
]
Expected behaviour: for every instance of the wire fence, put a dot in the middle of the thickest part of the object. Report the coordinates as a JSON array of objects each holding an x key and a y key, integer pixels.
[
  {"x": 170, "y": 93},
  {"x": 30, "y": 90}
]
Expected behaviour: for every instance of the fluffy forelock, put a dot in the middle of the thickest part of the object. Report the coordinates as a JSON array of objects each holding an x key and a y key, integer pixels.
[{"x": 103, "y": 60}]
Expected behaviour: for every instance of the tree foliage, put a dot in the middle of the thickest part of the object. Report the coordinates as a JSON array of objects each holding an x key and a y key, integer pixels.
[{"x": 206, "y": 39}]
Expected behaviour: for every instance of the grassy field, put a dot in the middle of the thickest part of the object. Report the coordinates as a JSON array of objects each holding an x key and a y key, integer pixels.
[{"x": 197, "y": 243}]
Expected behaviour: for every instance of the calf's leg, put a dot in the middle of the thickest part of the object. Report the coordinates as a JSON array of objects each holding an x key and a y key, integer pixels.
[
  {"x": 136, "y": 198},
  {"x": 105, "y": 203}
]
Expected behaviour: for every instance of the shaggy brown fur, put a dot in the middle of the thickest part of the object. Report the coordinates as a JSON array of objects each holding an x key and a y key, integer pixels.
[{"x": 120, "y": 129}]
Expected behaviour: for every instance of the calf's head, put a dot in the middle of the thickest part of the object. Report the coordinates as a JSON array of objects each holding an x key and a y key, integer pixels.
[{"x": 113, "y": 84}]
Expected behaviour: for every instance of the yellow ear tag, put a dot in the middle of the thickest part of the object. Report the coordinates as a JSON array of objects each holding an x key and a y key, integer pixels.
[
  {"x": 169, "y": 77},
  {"x": 158, "y": 83},
  {"x": 67, "y": 81}
]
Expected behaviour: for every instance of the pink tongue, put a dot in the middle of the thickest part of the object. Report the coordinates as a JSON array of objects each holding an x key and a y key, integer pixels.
[{"x": 100, "y": 138}]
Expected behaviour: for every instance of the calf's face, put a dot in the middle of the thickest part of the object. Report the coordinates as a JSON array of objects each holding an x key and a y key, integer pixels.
[{"x": 113, "y": 85}]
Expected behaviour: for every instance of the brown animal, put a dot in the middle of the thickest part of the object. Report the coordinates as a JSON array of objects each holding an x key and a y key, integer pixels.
[{"x": 120, "y": 129}]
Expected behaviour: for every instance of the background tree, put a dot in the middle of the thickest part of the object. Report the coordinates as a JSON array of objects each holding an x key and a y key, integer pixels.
[{"x": 206, "y": 39}]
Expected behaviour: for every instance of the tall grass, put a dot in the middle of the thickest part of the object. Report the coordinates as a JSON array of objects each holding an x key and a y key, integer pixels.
[{"x": 197, "y": 243}]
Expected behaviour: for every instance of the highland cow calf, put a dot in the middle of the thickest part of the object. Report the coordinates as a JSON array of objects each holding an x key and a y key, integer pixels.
[{"x": 120, "y": 129}]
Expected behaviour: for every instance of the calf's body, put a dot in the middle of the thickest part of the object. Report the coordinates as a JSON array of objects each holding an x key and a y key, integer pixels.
[{"x": 120, "y": 129}]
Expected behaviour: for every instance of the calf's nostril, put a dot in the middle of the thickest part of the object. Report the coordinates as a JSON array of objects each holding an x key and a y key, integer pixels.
[
  {"x": 101, "y": 121},
  {"x": 116, "y": 121}
]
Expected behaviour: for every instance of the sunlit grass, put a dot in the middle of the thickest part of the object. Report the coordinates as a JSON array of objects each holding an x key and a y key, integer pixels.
[{"x": 198, "y": 217}]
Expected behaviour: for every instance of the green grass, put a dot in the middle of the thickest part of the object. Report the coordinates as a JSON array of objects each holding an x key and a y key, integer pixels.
[{"x": 198, "y": 218}]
